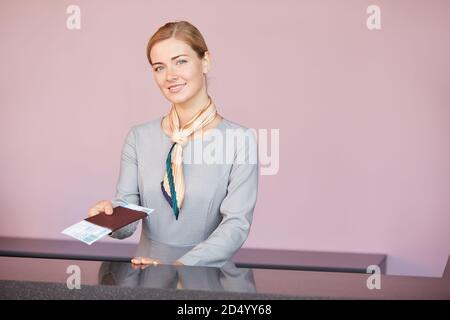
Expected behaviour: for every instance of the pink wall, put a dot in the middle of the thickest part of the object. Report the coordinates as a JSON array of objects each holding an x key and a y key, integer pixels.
[{"x": 363, "y": 115}]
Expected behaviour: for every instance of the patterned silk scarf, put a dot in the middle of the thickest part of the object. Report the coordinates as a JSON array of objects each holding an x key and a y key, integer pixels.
[{"x": 172, "y": 185}]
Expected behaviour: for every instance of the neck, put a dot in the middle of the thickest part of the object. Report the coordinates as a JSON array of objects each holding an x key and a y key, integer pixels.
[{"x": 188, "y": 109}]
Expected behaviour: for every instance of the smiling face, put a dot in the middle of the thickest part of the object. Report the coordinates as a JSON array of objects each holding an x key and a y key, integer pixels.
[{"x": 178, "y": 71}]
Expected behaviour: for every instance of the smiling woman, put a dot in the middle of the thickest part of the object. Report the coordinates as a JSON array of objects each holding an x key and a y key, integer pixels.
[
  {"x": 208, "y": 207},
  {"x": 180, "y": 60}
]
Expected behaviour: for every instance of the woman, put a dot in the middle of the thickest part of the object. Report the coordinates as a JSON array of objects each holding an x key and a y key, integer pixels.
[{"x": 205, "y": 206}]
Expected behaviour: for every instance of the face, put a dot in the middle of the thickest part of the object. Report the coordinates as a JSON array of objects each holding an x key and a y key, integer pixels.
[{"x": 177, "y": 70}]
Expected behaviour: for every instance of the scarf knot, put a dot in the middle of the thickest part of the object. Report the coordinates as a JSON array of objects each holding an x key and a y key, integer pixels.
[{"x": 179, "y": 138}]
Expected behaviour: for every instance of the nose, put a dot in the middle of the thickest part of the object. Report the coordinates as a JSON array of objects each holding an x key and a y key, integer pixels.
[{"x": 171, "y": 75}]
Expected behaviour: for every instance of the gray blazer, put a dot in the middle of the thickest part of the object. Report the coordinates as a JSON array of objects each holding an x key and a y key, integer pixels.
[{"x": 220, "y": 197}]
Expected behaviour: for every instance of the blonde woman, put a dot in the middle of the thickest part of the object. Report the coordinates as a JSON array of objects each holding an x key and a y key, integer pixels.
[{"x": 205, "y": 208}]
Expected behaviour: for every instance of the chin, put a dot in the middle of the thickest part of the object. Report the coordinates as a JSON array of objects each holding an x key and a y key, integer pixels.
[
  {"x": 180, "y": 99},
  {"x": 176, "y": 99}
]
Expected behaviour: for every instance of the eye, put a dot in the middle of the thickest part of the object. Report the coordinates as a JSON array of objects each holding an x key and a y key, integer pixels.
[
  {"x": 181, "y": 61},
  {"x": 157, "y": 68}
]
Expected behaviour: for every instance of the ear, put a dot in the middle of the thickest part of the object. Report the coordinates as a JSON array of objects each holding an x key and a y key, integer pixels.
[{"x": 206, "y": 62}]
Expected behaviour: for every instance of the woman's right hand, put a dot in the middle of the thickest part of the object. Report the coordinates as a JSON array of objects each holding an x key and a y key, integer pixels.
[{"x": 101, "y": 206}]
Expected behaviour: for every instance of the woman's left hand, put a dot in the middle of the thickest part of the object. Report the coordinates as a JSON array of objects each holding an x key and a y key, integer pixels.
[{"x": 143, "y": 261}]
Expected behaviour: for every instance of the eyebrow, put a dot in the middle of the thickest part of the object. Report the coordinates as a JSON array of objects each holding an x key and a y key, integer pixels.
[{"x": 171, "y": 59}]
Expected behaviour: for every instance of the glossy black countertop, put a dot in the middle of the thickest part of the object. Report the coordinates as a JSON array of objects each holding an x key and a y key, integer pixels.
[
  {"x": 245, "y": 257},
  {"x": 37, "y": 278}
]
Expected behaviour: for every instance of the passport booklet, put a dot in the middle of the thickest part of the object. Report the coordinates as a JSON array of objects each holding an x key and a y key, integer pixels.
[{"x": 94, "y": 228}]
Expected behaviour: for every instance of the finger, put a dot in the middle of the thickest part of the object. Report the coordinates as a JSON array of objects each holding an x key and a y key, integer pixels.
[
  {"x": 93, "y": 212},
  {"x": 147, "y": 261},
  {"x": 155, "y": 262},
  {"x": 100, "y": 208},
  {"x": 136, "y": 260},
  {"x": 109, "y": 210}
]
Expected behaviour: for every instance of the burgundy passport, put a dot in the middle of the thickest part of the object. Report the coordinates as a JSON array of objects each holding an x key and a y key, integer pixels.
[{"x": 120, "y": 218}]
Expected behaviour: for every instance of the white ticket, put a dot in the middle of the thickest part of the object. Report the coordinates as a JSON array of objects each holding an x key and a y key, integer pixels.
[
  {"x": 86, "y": 231},
  {"x": 136, "y": 207}
]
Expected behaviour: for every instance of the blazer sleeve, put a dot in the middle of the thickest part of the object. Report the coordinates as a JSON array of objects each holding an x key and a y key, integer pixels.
[
  {"x": 236, "y": 209},
  {"x": 127, "y": 186}
]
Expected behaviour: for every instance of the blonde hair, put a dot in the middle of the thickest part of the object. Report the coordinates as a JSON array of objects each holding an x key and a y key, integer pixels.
[{"x": 180, "y": 30}]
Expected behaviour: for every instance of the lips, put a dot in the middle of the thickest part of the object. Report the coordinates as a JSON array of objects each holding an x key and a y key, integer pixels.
[{"x": 176, "y": 87}]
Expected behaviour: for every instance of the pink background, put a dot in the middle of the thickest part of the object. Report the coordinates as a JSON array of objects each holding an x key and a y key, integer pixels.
[{"x": 363, "y": 115}]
